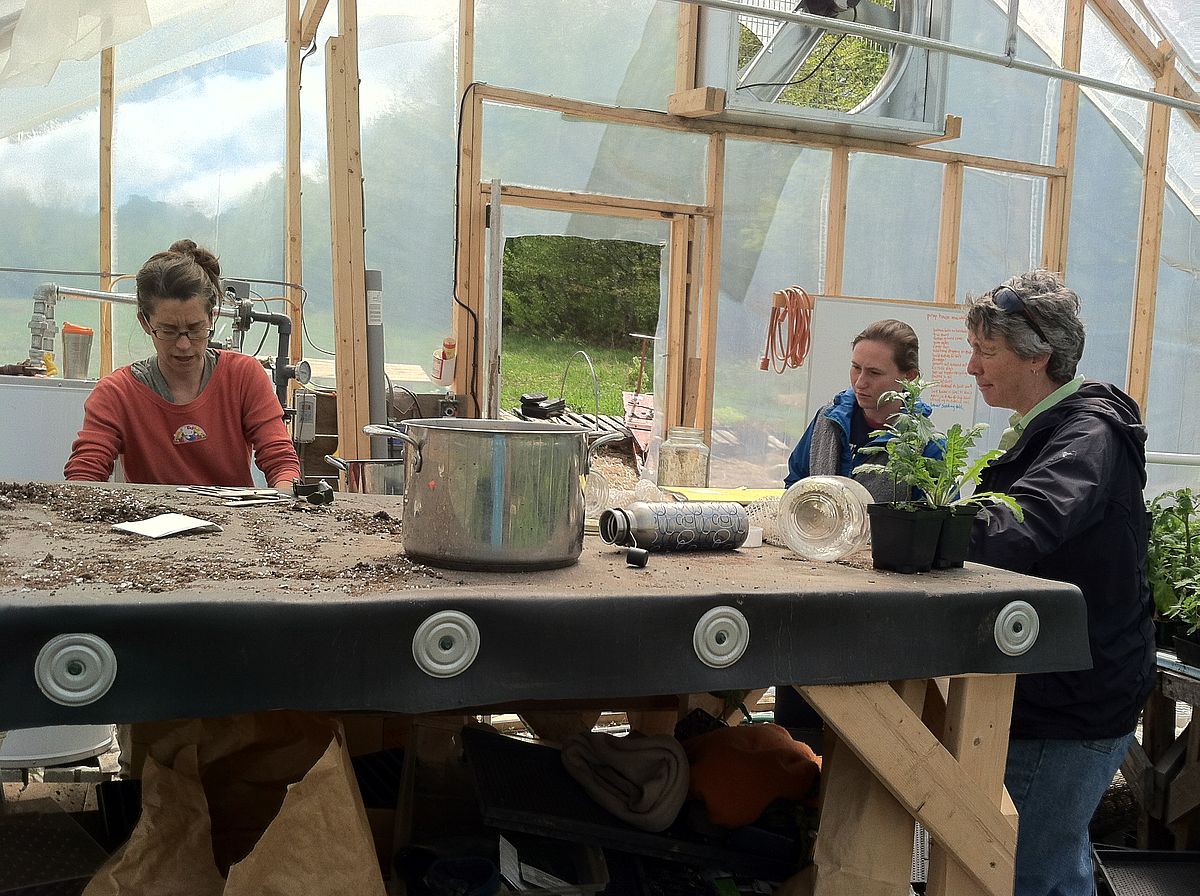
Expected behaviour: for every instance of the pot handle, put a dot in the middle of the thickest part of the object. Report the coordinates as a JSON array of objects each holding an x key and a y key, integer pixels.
[
  {"x": 600, "y": 440},
  {"x": 392, "y": 432},
  {"x": 337, "y": 462}
]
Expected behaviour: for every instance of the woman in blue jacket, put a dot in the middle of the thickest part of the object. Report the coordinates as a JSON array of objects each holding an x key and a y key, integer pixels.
[{"x": 883, "y": 353}]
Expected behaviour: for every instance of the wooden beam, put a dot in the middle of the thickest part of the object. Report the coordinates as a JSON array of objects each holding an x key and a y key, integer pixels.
[
  {"x": 594, "y": 203},
  {"x": 468, "y": 269},
  {"x": 699, "y": 102},
  {"x": 865, "y": 841},
  {"x": 293, "y": 257},
  {"x": 714, "y": 195},
  {"x": 676, "y": 322},
  {"x": 310, "y": 20},
  {"x": 950, "y": 232},
  {"x": 346, "y": 223},
  {"x": 835, "y": 223},
  {"x": 1057, "y": 222},
  {"x": 940, "y": 793},
  {"x": 1142, "y": 48},
  {"x": 976, "y": 735},
  {"x": 952, "y": 130},
  {"x": 687, "y": 47},
  {"x": 107, "y": 107},
  {"x": 647, "y": 118},
  {"x": 1154, "y": 182}
]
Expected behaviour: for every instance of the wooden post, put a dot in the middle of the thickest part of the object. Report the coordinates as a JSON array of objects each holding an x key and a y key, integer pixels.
[
  {"x": 714, "y": 196},
  {"x": 1058, "y": 189},
  {"x": 469, "y": 226},
  {"x": 346, "y": 220},
  {"x": 977, "y": 714},
  {"x": 107, "y": 105},
  {"x": 1154, "y": 181},
  {"x": 676, "y": 322},
  {"x": 293, "y": 258},
  {"x": 835, "y": 224},
  {"x": 946, "y": 285}
]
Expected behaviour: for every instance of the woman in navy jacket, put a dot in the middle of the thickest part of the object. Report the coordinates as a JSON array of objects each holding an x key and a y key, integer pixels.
[{"x": 1075, "y": 461}]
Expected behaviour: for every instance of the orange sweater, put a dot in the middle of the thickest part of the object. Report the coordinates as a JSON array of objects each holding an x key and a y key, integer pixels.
[{"x": 204, "y": 442}]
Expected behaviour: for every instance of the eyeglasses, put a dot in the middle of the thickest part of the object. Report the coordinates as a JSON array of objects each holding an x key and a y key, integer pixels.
[
  {"x": 169, "y": 334},
  {"x": 1010, "y": 302}
]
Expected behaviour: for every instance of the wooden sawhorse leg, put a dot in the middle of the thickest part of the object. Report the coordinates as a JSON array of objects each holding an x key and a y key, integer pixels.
[{"x": 956, "y": 792}]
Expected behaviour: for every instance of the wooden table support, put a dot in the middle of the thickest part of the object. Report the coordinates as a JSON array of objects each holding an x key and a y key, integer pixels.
[{"x": 955, "y": 790}]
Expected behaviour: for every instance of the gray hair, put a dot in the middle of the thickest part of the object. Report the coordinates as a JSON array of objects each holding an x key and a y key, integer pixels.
[{"x": 1055, "y": 308}]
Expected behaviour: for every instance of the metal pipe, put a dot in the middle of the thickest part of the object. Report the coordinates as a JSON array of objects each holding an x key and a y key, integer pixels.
[
  {"x": 883, "y": 35},
  {"x": 377, "y": 390},
  {"x": 1163, "y": 457}
]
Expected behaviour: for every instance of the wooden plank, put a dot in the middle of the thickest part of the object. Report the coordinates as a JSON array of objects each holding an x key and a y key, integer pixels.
[
  {"x": 949, "y": 234},
  {"x": 647, "y": 118},
  {"x": 687, "y": 47},
  {"x": 1143, "y": 49},
  {"x": 976, "y": 735},
  {"x": 310, "y": 20},
  {"x": 951, "y": 130},
  {"x": 891, "y": 741},
  {"x": 699, "y": 102},
  {"x": 1057, "y": 223},
  {"x": 691, "y": 324},
  {"x": 835, "y": 222},
  {"x": 1154, "y": 182},
  {"x": 107, "y": 107},
  {"x": 593, "y": 203},
  {"x": 293, "y": 257},
  {"x": 468, "y": 262},
  {"x": 676, "y": 313},
  {"x": 346, "y": 215},
  {"x": 865, "y": 844},
  {"x": 714, "y": 196}
]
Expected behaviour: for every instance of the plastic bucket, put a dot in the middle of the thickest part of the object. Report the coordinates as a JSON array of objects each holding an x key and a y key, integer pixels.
[{"x": 77, "y": 351}]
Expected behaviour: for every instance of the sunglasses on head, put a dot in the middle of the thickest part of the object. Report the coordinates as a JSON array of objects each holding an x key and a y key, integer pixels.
[{"x": 1010, "y": 302}]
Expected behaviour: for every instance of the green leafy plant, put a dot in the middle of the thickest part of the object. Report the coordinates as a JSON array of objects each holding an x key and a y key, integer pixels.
[
  {"x": 940, "y": 480},
  {"x": 1173, "y": 556}
]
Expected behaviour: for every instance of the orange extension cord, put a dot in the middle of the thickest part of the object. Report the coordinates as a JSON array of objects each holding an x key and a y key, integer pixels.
[{"x": 789, "y": 333}]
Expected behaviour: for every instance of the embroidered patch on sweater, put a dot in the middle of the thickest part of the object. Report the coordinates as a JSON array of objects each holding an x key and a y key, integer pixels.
[{"x": 190, "y": 432}]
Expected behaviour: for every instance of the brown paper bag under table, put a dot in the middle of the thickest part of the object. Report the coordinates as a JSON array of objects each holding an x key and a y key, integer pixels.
[{"x": 253, "y": 805}]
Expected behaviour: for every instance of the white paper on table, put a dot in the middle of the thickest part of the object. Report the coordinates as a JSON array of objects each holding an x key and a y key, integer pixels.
[{"x": 167, "y": 524}]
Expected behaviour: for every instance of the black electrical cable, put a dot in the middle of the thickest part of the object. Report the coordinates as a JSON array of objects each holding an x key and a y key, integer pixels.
[
  {"x": 454, "y": 275},
  {"x": 816, "y": 68},
  {"x": 266, "y": 329},
  {"x": 416, "y": 406}
]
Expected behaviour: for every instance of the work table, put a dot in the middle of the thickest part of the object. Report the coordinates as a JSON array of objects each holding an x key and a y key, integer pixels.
[{"x": 318, "y": 609}]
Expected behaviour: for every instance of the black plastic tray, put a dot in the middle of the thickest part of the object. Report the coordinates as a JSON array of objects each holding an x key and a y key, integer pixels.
[{"x": 1140, "y": 872}]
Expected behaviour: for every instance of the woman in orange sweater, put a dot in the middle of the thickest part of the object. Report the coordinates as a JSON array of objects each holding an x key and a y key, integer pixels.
[{"x": 189, "y": 414}]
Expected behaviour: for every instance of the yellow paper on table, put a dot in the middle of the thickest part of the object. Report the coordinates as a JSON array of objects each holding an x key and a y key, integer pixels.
[{"x": 741, "y": 495}]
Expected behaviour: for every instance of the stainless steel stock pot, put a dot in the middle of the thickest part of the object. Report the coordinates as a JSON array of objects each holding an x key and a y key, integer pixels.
[{"x": 500, "y": 495}]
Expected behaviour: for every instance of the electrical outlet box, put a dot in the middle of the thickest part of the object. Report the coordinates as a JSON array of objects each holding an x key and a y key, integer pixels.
[
  {"x": 448, "y": 406},
  {"x": 304, "y": 428}
]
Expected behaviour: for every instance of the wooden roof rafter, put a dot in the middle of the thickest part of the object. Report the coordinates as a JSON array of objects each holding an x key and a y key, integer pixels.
[{"x": 1143, "y": 49}]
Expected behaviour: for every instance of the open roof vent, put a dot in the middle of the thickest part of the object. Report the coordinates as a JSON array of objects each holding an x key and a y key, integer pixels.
[{"x": 806, "y": 76}]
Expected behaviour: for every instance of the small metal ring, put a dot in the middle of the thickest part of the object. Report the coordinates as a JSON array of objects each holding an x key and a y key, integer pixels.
[
  {"x": 721, "y": 637},
  {"x": 75, "y": 669},
  {"x": 1016, "y": 628},
  {"x": 446, "y": 644}
]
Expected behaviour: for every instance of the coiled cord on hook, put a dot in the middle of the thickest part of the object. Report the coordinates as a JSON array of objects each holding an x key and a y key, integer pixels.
[{"x": 789, "y": 334}]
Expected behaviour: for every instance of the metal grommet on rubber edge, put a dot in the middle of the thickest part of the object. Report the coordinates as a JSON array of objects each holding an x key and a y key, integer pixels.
[
  {"x": 721, "y": 637},
  {"x": 1016, "y": 628},
  {"x": 75, "y": 669},
  {"x": 446, "y": 644}
]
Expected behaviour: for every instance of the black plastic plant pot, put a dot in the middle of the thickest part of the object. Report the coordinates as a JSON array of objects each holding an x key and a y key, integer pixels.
[
  {"x": 955, "y": 538},
  {"x": 904, "y": 540},
  {"x": 1187, "y": 649}
]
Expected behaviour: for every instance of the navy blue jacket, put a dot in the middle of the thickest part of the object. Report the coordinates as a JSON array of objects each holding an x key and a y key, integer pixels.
[
  {"x": 840, "y": 411},
  {"x": 1078, "y": 472}
]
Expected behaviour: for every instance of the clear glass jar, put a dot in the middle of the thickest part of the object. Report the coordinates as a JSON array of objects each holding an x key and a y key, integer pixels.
[
  {"x": 825, "y": 517},
  {"x": 683, "y": 459}
]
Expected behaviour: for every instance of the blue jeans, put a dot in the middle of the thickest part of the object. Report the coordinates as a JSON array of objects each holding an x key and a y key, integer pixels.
[{"x": 1056, "y": 786}]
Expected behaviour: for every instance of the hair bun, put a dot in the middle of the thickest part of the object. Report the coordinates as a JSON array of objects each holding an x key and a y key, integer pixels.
[
  {"x": 184, "y": 247},
  {"x": 200, "y": 256}
]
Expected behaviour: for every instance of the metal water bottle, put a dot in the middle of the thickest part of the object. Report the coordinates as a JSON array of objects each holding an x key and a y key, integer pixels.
[{"x": 681, "y": 526}]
